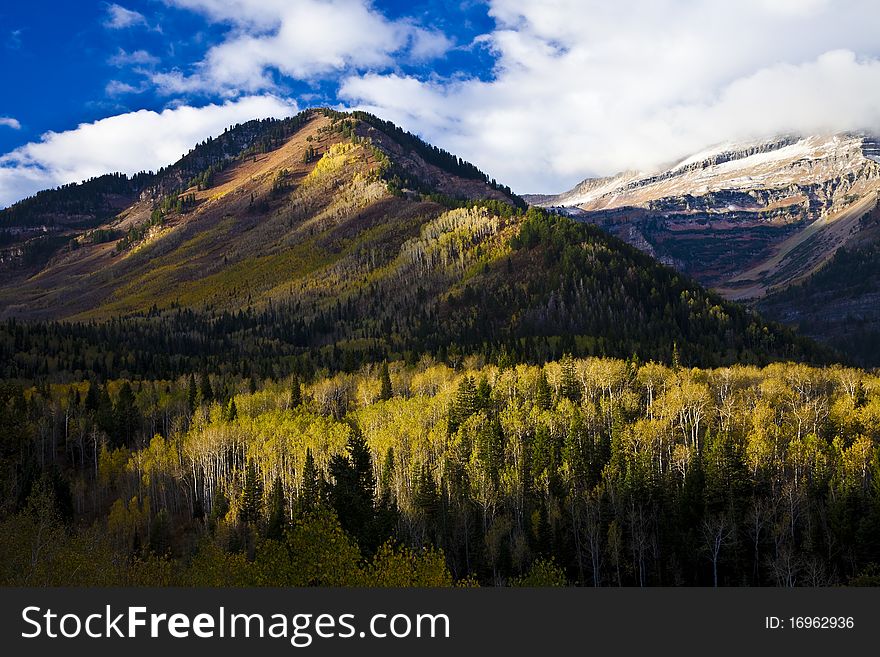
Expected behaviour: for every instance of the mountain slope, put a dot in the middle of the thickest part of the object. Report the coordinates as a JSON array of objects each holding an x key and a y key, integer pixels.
[
  {"x": 263, "y": 213},
  {"x": 347, "y": 238},
  {"x": 743, "y": 218},
  {"x": 34, "y": 229},
  {"x": 840, "y": 303}
]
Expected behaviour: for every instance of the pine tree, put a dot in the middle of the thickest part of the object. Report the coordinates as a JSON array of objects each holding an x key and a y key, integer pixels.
[
  {"x": 484, "y": 394},
  {"x": 104, "y": 416},
  {"x": 295, "y": 392},
  {"x": 192, "y": 393},
  {"x": 543, "y": 394},
  {"x": 125, "y": 415},
  {"x": 92, "y": 398},
  {"x": 160, "y": 534},
  {"x": 569, "y": 386},
  {"x": 386, "y": 478},
  {"x": 310, "y": 489},
  {"x": 219, "y": 508},
  {"x": 386, "y": 391},
  {"x": 205, "y": 390},
  {"x": 427, "y": 500},
  {"x": 251, "y": 510},
  {"x": 231, "y": 411},
  {"x": 277, "y": 511},
  {"x": 464, "y": 405},
  {"x": 352, "y": 492}
]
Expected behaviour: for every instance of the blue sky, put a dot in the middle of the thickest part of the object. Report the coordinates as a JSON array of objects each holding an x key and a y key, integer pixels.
[
  {"x": 538, "y": 93},
  {"x": 62, "y": 66}
]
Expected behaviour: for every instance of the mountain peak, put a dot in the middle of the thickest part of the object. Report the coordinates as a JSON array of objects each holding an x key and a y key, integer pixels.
[
  {"x": 745, "y": 217},
  {"x": 256, "y": 200},
  {"x": 770, "y": 163}
]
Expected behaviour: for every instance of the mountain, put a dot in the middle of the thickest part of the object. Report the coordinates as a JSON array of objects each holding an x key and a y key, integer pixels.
[
  {"x": 227, "y": 232},
  {"x": 341, "y": 238},
  {"x": 750, "y": 220},
  {"x": 840, "y": 303},
  {"x": 33, "y": 229}
]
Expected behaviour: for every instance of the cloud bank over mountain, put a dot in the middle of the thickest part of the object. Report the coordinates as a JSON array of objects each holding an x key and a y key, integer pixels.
[{"x": 594, "y": 88}]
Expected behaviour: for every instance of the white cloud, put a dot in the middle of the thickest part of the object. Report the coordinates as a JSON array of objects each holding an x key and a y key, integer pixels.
[
  {"x": 117, "y": 88},
  {"x": 136, "y": 57},
  {"x": 590, "y": 87},
  {"x": 301, "y": 39},
  {"x": 142, "y": 140},
  {"x": 118, "y": 17},
  {"x": 427, "y": 44},
  {"x": 9, "y": 122}
]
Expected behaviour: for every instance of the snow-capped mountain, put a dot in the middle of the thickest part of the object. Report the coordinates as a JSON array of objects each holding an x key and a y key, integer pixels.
[{"x": 745, "y": 218}]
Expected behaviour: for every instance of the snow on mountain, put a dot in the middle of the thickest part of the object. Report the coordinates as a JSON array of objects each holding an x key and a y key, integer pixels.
[
  {"x": 745, "y": 218},
  {"x": 775, "y": 163}
]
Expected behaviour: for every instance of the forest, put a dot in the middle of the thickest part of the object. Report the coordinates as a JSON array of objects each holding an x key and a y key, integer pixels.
[{"x": 581, "y": 471}]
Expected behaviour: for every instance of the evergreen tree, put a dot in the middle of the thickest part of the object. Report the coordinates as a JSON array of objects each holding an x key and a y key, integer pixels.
[
  {"x": 569, "y": 386},
  {"x": 427, "y": 501},
  {"x": 220, "y": 507},
  {"x": 92, "y": 398},
  {"x": 295, "y": 392},
  {"x": 386, "y": 391},
  {"x": 277, "y": 511},
  {"x": 484, "y": 394},
  {"x": 160, "y": 534},
  {"x": 205, "y": 391},
  {"x": 386, "y": 478},
  {"x": 464, "y": 405},
  {"x": 352, "y": 492},
  {"x": 125, "y": 416},
  {"x": 251, "y": 510},
  {"x": 543, "y": 394},
  {"x": 231, "y": 411},
  {"x": 310, "y": 489},
  {"x": 192, "y": 393},
  {"x": 104, "y": 416}
]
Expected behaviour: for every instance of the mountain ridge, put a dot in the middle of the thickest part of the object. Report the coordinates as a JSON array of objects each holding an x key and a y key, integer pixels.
[
  {"x": 745, "y": 219},
  {"x": 350, "y": 236}
]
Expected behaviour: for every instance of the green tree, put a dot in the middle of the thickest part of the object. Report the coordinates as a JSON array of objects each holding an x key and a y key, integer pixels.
[
  {"x": 160, "y": 534},
  {"x": 386, "y": 391},
  {"x": 310, "y": 489},
  {"x": 464, "y": 404},
  {"x": 206, "y": 392},
  {"x": 295, "y": 392},
  {"x": 231, "y": 411},
  {"x": 105, "y": 417},
  {"x": 125, "y": 416},
  {"x": 251, "y": 510},
  {"x": 277, "y": 511},
  {"x": 192, "y": 393},
  {"x": 543, "y": 393},
  {"x": 569, "y": 387},
  {"x": 352, "y": 492}
]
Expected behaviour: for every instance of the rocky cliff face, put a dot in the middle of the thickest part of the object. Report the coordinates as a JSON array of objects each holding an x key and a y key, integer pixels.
[{"x": 745, "y": 218}]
